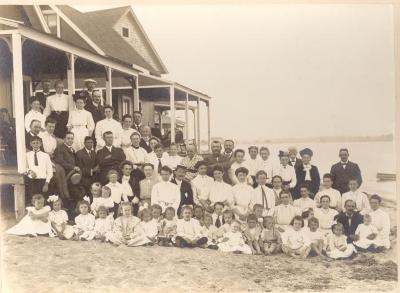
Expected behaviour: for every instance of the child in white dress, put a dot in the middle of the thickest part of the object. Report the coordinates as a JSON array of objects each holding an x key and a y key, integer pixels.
[
  {"x": 367, "y": 236},
  {"x": 156, "y": 212},
  {"x": 103, "y": 224},
  {"x": 228, "y": 220},
  {"x": 149, "y": 225},
  {"x": 233, "y": 241},
  {"x": 337, "y": 246},
  {"x": 167, "y": 233},
  {"x": 316, "y": 237},
  {"x": 295, "y": 241},
  {"x": 84, "y": 222},
  {"x": 104, "y": 200},
  {"x": 126, "y": 229},
  {"x": 252, "y": 234},
  {"x": 210, "y": 231},
  {"x": 80, "y": 123},
  {"x": 58, "y": 219},
  {"x": 36, "y": 222}
]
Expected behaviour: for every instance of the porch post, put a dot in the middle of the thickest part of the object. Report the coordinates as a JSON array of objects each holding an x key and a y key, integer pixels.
[
  {"x": 187, "y": 118},
  {"x": 109, "y": 86},
  {"x": 195, "y": 126},
  {"x": 198, "y": 125},
  {"x": 71, "y": 80},
  {"x": 18, "y": 96},
  {"x": 172, "y": 108},
  {"x": 209, "y": 126},
  {"x": 136, "y": 97}
]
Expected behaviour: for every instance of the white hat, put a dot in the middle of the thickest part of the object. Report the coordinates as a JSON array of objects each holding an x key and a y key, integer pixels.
[{"x": 90, "y": 80}]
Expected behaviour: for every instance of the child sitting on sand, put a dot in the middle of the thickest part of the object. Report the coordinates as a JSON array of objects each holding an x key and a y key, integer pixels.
[
  {"x": 316, "y": 237},
  {"x": 149, "y": 225},
  {"x": 198, "y": 214},
  {"x": 258, "y": 212},
  {"x": 218, "y": 218},
  {"x": 188, "y": 230},
  {"x": 104, "y": 199},
  {"x": 103, "y": 224},
  {"x": 126, "y": 229},
  {"x": 167, "y": 228},
  {"x": 156, "y": 212},
  {"x": 337, "y": 246},
  {"x": 366, "y": 234},
  {"x": 36, "y": 222},
  {"x": 210, "y": 231},
  {"x": 233, "y": 241},
  {"x": 58, "y": 219},
  {"x": 295, "y": 241},
  {"x": 84, "y": 222},
  {"x": 228, "y": 218},
  {"x": 252, "y": 234},
  {"x": 270, "y": 238}
]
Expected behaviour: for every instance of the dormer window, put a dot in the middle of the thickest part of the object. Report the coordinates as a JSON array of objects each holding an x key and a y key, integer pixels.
[
  {"x": 53, "y": 21},
  {"x": 125, "y": 32}
]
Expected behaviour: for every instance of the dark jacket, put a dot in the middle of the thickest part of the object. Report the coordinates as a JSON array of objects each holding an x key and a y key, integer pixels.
[
  {"x": 186, "y": 194},
  {"x": 350, "y": 224},
  {"x": 341, "y": 176},
  {"x": 106, "y": 163},
  {"x": 42, "y": 97},
  {"x": 313, "y": 185},
  {"x": 97, "y": 112},
  {"x": 221, "y": 160},
  {"x": 144, "y": 145},
  {"x": 86, "y": 163},
  {"x": 65, "y": 157},
  {"x": 297, "y": 164}
]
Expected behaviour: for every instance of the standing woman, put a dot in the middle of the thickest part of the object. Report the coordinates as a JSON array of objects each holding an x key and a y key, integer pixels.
[
  {"x": 307, "y": 174},
  {"x": 127, "y": 131},
  {"x": 80, "y": 123}
]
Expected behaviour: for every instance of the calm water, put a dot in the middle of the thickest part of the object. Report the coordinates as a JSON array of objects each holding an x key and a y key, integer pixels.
[{"x": 372, "y": 157}]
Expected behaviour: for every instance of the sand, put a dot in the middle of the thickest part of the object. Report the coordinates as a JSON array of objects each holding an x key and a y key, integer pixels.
[{"x": 51, "y": 265}]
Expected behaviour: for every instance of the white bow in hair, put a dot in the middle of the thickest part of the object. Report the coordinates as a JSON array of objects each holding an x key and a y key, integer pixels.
[
  {"x": 52, "y": 198},
  {"x": 87, "y": 198}
]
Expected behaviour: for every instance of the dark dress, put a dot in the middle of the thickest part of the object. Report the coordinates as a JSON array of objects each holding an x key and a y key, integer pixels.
[{"x": 313, "y": 185}]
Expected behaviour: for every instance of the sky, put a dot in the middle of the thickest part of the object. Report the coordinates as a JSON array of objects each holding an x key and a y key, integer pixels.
[{"x": 281, "y": 71}]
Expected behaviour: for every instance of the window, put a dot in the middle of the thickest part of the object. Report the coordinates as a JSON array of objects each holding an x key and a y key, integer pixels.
[
  {"x": 126, "y": 105},
  {"x": 51, "y": 18},
  {"x": 125, "y": 32}
]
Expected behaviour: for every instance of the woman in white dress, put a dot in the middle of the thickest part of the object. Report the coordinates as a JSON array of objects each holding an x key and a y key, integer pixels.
[
  {"x": 242, "y": 195},
  {"x": 36, "y": 222},
  {"x": 80, "y": 123},
  {"x": 238, "y": 162},
  {"x": 380, "y": 219},
  {"x": 127, "y": 131}
]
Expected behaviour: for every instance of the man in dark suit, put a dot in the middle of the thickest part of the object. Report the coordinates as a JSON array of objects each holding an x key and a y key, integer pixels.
[
  {"x": 130, "y": 183},
  {"x": 94, "y": 106},
  {"x": 88, "y": 92},
  {"x": 145, "y": 131},
  {"x": 35, "y": 128},
  {"x": 137, "y": 120},
  {"x": 109, "y": 157},
  {"x": 307, "y": 174},
  {"x": 344, "y": 170},
  {"x": 218, "y": 158},
  {"x": 42, "y": 96},
  {"x": 86, "y": 161},
  {"x": 350, "y": 220},
  {"x": 294, "y": 161},
  {"x": 184, "y": 186}
]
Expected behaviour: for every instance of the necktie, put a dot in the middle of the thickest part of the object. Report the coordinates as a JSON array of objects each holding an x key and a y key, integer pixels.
[
  {"x": 218, "y": 223},
  {"x": 264, "y": 198},
  {"x": 36, "y": 159},
  {"x": 159, "y": 166}
]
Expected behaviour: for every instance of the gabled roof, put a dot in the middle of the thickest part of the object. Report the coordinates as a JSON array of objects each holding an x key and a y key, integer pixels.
[{"x": 98, "y": 26}]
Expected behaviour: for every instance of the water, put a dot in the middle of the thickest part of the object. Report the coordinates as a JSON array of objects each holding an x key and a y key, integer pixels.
[{"x": 372, "y": 157}]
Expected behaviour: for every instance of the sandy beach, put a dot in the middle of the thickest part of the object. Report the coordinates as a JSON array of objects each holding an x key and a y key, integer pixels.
[{"x": 51, "y": 265}]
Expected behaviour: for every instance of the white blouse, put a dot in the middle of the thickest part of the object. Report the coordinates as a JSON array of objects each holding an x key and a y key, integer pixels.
[{"x": 81, "y": 118}]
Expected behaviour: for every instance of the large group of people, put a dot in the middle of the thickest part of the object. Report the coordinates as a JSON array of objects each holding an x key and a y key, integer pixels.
[{"x": 92, "y": 177}]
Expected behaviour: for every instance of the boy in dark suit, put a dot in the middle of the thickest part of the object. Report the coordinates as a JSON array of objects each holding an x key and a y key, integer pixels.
[
  {"x": 184, "y": 186},
  {"x": 109, "y": 157},
  {"x": 344, "y": 170},
  {"x": 86, "y": 161}
]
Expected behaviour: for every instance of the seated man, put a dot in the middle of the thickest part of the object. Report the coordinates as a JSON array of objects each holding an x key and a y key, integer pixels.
[
  {"x": 350, "y": 219},
  {"x": 109, "y": 157},
  {"x": 108, "y": 124},
  {"x": 86, "y": 161}
]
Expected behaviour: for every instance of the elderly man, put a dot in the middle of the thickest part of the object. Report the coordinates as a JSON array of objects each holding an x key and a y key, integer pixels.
[
  {"x": 57, "y": 108},
  {"x": 94, "y": 106},
  {"x": 108, "y": 124},
  {"x": 294, "y": 161},
  {"x": 190, "y": 161},
  {"x": 42, "y": 96},
  {"x": 109, "y": 157},
  {"x": 229, "y": 145},
  {"x": 218, "y": 159},
  {"x": 344, "y": 170},
  {"x": 145, "y": 131}
]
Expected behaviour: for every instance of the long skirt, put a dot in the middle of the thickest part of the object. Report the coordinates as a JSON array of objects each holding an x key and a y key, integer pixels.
[
  {"x": 336, "y": 253},
  {"x": 80, "y": 132},
  {"x": 137, "y": 239},
  {"x": 68, "y": 231},
  {"x": 27, "y": 226},
  {"x": 366, "y": 243},
  {"x": 226, "y": 247}
]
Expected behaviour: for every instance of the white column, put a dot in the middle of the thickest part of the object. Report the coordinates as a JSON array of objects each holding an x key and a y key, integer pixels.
[
  {"x": 198, "y": 125},
  {"x": 71, "y": 80},
  {"x": 109, "y": 86},
  {"x": 172, "y": 108},
  {"x": 209, "y": 126},
  {"x": 18, "y": 96},
  {"x": 195, "y": 125},
  {"x": 187, "y": 118},
  {"x": 136, "y": 97}
]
